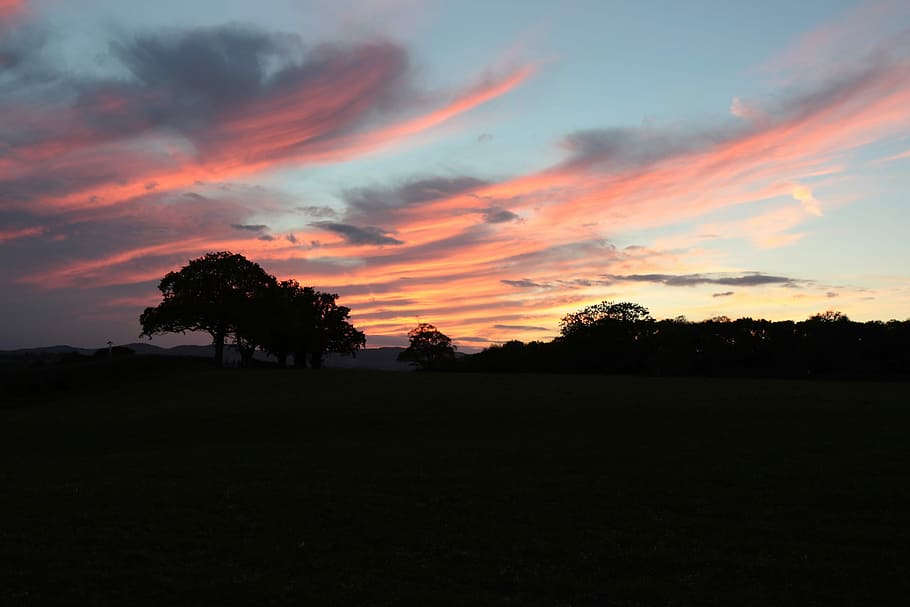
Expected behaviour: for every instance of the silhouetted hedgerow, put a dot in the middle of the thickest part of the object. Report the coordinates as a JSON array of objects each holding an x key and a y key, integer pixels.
[{"x": 623, "y": 338}]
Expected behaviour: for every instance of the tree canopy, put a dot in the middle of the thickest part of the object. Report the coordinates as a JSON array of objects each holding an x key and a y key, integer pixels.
[
  {"x": 211, "y": 294},
  {"x": 604, "y": 312},
  {"x": 229, "y": 296},
  {"x": 429, "y": 348},
  {"x": 624, "y": 338}
]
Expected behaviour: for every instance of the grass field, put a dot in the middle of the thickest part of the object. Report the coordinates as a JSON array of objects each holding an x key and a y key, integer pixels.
[{"x": 190, "y": 485}]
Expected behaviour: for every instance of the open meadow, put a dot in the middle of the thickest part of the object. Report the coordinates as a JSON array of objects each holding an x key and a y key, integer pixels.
[{"x": 176, "y": 483}]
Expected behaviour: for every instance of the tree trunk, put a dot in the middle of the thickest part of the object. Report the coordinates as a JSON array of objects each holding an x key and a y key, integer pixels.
[
  {"x": 219, "y": 349},
  {"x": 283, "y": 360}
]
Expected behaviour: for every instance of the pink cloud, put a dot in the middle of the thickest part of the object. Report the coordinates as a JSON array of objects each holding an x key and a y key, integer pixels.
[
  {"x": 822, "y": 53},
  {"x": 450, "y": 264},
  {"x": 307, "y": 125},
  {"x": 577, "y": 201},
  {"x": 10, "y": 7},
  {"x": 899, "y": 156},
  {"x": 8, "y": 235}
]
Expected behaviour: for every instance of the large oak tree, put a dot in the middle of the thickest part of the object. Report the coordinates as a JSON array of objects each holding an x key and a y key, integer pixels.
[
  {"x": 229, "y": 296},
  {"x": 212, "y": 293}
]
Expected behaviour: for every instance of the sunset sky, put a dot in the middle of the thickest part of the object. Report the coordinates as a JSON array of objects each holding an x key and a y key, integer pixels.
[{"x": 484, "y": 166}]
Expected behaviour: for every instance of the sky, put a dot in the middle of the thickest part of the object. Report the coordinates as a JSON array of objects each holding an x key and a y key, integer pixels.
[{"x": 487, "y": 167}]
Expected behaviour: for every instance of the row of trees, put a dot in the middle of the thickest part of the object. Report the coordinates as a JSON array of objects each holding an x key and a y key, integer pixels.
[
  {"x": 236, "y": 301},
  {"x": 624, "y": 338}
]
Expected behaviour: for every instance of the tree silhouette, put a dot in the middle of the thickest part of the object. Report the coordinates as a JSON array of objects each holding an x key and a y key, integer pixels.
[
  {"x": 330, "y": 331},
  {"x": 429, "y": 347},
  {"x": 287, "y": 318},
  {"x": 227, "y": 295},
  {"x": 607, "y": 336},
  {"x": 587, "y": 318},
  {"x": 828, "y": 316},
  {"x": 212, "y": 293},
  {"x": 283, "y": 311},
  {"x": 623, "y": 338}
]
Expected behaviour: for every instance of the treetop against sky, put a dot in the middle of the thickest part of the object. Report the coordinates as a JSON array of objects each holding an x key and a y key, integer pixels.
[{"x": 486, "y": 167}]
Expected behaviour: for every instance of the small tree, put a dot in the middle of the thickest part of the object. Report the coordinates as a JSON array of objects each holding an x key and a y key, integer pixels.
[{"x": 429, "y": 348}]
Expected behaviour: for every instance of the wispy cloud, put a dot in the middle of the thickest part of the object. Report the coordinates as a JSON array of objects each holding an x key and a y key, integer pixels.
[
  {"x": 317, "y": 211},
  {"x": 641, "y": 177},
  {"x": 368, "y": 235},
  {"x": 899, "y": 156},
  {"x": 130, "y": 176},
  {"x": 752, "y": 279},
  {"x": 494, "y": 215},
  {"x": 383, "y": 204},
  {"x": 250, "y": 227},
  {"x": 241, "y": 100},
  {"x": 523, "y": 283},
  {"x": 10, "y": 8},
  {"x": 521, "y": 328},
  {"x": 15, "y": 234}
]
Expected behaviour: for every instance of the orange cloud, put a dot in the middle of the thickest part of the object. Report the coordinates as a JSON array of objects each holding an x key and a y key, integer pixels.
[
  {"x": 451, "y": 267},
  {"x": 295, "y": 129},
  {"x": 449, "y": 264},
  {"x": 563, "y": 204}
]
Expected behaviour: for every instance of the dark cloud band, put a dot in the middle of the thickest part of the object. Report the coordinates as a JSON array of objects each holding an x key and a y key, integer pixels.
[
  {"x": 690, "y": 280},
  {"x": 359, "y": 235}
]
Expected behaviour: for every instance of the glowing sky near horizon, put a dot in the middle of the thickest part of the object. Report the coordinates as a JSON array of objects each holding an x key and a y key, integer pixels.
[{"x": 486, "y": 167}]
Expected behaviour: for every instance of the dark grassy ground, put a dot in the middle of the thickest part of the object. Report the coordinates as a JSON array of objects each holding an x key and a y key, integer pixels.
[{"x": 187, "y": 485}]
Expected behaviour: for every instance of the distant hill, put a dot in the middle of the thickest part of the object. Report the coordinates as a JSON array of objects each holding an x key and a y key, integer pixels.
[
  {"x": 48, "y": 350},
  {"x": 145, "y": 348},
  {"x": 383, "y": 359}
]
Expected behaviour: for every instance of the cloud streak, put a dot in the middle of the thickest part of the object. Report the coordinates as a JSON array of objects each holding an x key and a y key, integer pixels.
[
  {"x": 109, "y": 181},
  {"x": 369, "y": 235},
  {"x": 15, "y": 234},
  {"x": 520, "y": 328},
  {"x": 9, "y": 9},
  {"x": 238, "y": 100},
  {"x": 384, "y": 204},
  {"x": 753, "y": 279},
  {"x": 250, "y": 227},
  {"x": 523, "y": 283}
]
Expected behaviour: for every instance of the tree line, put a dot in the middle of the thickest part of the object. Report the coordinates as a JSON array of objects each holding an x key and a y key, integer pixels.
[
  {"x": 623, "y": 337},
  {"x": 235, "y": 301}
]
